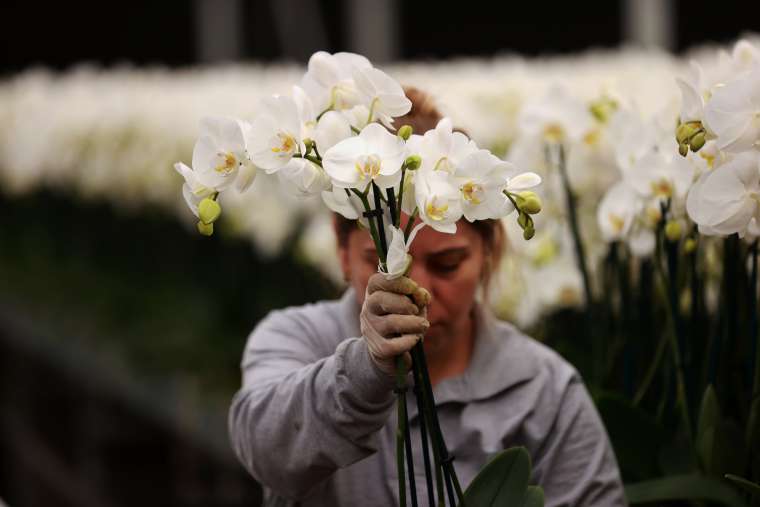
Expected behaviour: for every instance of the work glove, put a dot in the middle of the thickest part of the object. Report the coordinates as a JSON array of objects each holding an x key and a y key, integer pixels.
[{"x": 393, "y": 319}]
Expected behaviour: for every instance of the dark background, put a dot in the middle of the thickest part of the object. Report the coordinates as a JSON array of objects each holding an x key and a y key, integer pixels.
[{"x": 60, "y": 34}]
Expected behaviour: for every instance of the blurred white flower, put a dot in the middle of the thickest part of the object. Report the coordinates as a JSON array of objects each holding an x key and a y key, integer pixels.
[
  {"x": 724, "y": 200},
  {"x": 617, "y": 211},
  {"x": 556, "y": 117},
  {"x": 733, "y": 113}
]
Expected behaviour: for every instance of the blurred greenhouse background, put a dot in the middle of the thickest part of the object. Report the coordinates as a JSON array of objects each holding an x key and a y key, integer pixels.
[{"x": 121, "y": 329}]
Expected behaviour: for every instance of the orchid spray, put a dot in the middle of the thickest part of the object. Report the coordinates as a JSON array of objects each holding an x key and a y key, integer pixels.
[{"x": 334, "y": 137}]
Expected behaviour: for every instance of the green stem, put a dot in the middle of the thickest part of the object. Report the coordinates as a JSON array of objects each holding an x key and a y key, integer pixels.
[
  {"x": 653, "y": 367},
  {"x": 754, "y": 414},
  {"x": 400, "y": 197},
  {"x": 410, "y": 223},
  {"x": 572, "y": 214},
  {"x": 429, "y": 409},
  {"x": 355, "y": 130},
  {"x": 310, "y": 158},
  {"x": 668, "y": 283},
  {"x": 401, "y": 430},
  {"x": 372, "y": 227}
]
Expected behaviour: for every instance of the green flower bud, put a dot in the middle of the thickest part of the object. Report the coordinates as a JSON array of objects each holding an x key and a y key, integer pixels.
[
  {"x": 529, "y": 202},
  {"x": 405, "y": 132},
  {"x": 683, "y": 149},
  {"x": 529, "y": 232},
  {"x": 697, "y": 141},
  {"x": 673, "y": 230},
  {"x": 689, "y": 245},
  {"x": 603, "y": 108},
  {"x": 523, "y": 220},
  {"x": 686, "y": 131},
  {"x": 309, "y": 144},
  {"x": 413, "y": 162},
  {"x": 205, "y": 229},
  {"x": 209, "y": 210}
]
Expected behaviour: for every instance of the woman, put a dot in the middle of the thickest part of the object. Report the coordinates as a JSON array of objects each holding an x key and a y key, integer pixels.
[{"x": 315, "y": 419}]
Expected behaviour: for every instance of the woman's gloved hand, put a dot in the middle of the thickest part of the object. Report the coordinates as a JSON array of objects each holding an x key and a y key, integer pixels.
[{"x": 393, "y": 319}]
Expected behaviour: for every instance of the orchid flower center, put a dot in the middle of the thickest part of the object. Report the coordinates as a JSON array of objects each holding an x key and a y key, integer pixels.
[
  {"x": 472, "y": 192},
  {"x": 435, "y": 212},
  {"x": 228, "y": 163},
  {"x": 554, "y": 132},
  {"x": 709, "y": 158},
  {"x": 592, "y": 137},
  {"x": 368, "y": 166},
  {"x": 443, "y": 164},
  {"x": 284, "y": 145},
  {"x": 617, "y": 222},
  {"x": 662, "y": 188}
]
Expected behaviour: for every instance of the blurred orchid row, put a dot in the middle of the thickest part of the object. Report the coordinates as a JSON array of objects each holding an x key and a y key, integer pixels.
[{"x": 116, "y": 133}]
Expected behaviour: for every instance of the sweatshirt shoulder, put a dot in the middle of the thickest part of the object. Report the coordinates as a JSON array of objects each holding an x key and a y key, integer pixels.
[{"x": 318, "y": 326}]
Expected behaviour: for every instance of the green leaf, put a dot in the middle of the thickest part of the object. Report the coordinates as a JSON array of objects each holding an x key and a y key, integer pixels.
[
  {"x": 684, "y": 487},
  {"x": 709, "y": 418},
  {"x": 636, "y": 436},
  {"x": 502, "y": 481},
  {"x": 534, "y": 497},
  {"x": 752, "y": 488}
]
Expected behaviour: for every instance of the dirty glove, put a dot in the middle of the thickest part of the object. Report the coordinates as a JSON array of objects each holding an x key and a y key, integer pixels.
[{"x": 393, "y": 319}]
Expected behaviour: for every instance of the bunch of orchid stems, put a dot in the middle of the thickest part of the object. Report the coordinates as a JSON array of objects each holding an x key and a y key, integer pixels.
[{"x": 333, "y": 137}]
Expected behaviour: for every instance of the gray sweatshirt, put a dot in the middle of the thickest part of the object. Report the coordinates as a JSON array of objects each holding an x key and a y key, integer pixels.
[{"x": 315, "y": 420}]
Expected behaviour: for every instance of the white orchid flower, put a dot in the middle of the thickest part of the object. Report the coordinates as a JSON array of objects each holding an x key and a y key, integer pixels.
[
  {"x": 556, "y": 117},
  {"x": 723, "y": 201},
  {"x": 482, "y": 178},
  {"x": 275, "y": 135},
  {"x": 343, "y": 202},
  {"x": 733, "y": 113},
  {"x": 192, "y": 190},
  {"x": 383, "y": 95},
  {"x": 329, "y": 80},
  {"x": 438, "y": 200},
  {"x": 303, "y": 177},
  {"x": 219, "y": 155},
  {"x": 661, "y": 174},
  {"x": 617, "y": 211},
  {"x": 375, "y": 155},
  {"x": 441, "y": 149},
  {"x": 399, "y": 260},
  {"x": 331, "y": 129}
]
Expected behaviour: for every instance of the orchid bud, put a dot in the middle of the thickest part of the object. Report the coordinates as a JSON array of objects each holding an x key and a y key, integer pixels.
[
  {"x": 686, "y": 131},
  {"x": 405, "y": 132},
  {"x": 683, "y": 149},
  {"x": 673, "y": 230},
  {"x": 205, "y": 229},
  {"x": 603, "y": 108},
  {"x": 689, "y": 245},
  {"x": 697, "y": 141},
  {"x": 413, "y": 162},
  {"x": 529, "y": 232},
  {"x": 529, "y": 202},
  {"x": 523, "y": 219},
  {"x": 209, "y": 210},
  {"x": 308, "y": 144}
]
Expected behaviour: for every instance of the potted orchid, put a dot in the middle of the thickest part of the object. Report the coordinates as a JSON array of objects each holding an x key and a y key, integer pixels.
[{"x": 333, "y": 137}]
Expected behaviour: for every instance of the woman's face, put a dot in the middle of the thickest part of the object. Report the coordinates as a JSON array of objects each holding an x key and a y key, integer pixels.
[{"x": 450, "y": 266}]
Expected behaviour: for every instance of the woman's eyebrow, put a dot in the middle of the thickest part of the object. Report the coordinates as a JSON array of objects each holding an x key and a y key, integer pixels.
[{"x": 450, "y": 251}]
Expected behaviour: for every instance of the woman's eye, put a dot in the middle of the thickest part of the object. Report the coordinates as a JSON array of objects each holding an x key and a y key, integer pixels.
[{"x": 446, "y": 268}]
